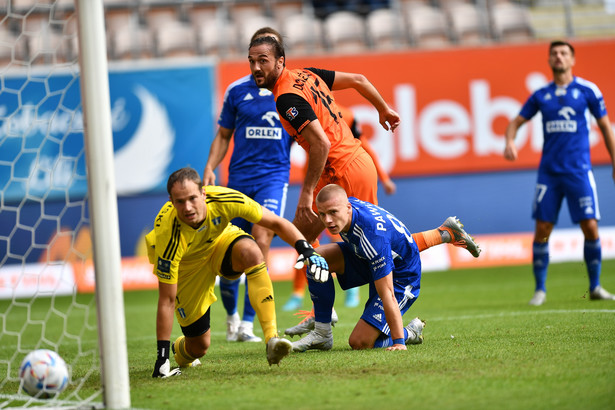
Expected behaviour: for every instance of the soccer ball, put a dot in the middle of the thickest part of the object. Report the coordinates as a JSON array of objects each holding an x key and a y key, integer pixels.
[{"x": 43, "y": 374}]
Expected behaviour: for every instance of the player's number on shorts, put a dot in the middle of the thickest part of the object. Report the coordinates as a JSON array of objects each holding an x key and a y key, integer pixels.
[{"x": 541, "y": 190}]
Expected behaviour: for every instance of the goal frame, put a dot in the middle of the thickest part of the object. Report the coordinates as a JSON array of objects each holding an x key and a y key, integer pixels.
[{"x": 98, "y": 141}]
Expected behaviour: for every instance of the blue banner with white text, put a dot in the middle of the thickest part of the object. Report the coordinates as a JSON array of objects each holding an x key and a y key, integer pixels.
[{"x": 162, "y": 119}]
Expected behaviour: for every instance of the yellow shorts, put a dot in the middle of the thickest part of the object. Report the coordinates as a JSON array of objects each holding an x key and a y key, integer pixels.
[{"x": 197, "y": 278}]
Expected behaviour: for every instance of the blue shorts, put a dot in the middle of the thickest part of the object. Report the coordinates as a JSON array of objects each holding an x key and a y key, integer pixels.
[
  {"x": 271, "y": 195},
  {"x": 579, "y": 190},
  {"x": 406, "y": 288}
]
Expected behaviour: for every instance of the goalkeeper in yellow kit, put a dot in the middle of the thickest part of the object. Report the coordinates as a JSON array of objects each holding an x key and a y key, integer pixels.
[{"x": 192, "y": 242}]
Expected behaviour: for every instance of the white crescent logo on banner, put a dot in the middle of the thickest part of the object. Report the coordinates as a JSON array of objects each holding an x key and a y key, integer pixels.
[{"x": 142, "y": 163}]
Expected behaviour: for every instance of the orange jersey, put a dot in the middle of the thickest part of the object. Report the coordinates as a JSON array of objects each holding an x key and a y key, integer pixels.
[{"x": 318, "y": 104}]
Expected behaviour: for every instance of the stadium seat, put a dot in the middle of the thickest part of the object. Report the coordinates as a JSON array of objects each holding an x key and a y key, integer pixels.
[
  {"x": 427, "y": 26},
  {"x": 175, "y": 39},
  {"x": 249, "y": 25},
  {"x": 131, "y": 42},
  {"x": 406, "y": 5},
  {"x": 203, "y": 13},
  {"x": 469, "y": 23},
  {"x": 238, "y": 11},
  {"x": 46, "y": 46},
  {"x": 7, "y": 39},
  {"x": 511, "y": 22},
  {"x": 282, "y": 9},
  {"x": 385, "y": 29},
  {"x": 116, "y": 18},
  {"x": 345, "y": 32},
  {"x": 302, "y": 34},
  {"x": 218, "y": 38},
  {"x": 156, "y": 15}
]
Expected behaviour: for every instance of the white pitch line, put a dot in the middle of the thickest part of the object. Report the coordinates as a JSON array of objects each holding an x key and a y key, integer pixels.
[
  {"x": 528, "y": 312},
  {"x": 344, "y": 324}
]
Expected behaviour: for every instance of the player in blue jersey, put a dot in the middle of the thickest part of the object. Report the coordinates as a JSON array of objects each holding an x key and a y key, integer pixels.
[
  {"x": 259, "y": 168},
  {"x": 377, "y": 250},
  {"x": 565, "y": 169}
]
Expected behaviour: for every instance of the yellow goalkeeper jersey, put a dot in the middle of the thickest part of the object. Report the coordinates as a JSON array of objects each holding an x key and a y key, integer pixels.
[
  {"x": 192, "y": 258},
  {"x": 173, "y": 245}
]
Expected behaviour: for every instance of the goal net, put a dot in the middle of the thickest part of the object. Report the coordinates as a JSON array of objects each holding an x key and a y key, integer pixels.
[{"x": 45, "y": 201}]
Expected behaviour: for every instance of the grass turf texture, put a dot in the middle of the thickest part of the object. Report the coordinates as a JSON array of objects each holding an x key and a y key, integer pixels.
[{"x": 484, "y": 348}]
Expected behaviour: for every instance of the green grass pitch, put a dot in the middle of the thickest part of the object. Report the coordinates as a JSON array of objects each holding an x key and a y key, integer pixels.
[{"x": 484, "y": 348}]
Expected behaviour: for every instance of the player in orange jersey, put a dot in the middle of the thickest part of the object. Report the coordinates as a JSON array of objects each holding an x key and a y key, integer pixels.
[{"x": 311, "y": 116}]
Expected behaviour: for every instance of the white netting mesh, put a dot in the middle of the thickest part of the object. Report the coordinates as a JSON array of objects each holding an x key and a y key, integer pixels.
[{"x": 44, "y": 225}]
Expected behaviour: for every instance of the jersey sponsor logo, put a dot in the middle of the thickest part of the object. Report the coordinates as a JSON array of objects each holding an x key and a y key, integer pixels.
[
  {"x": 264, "y": 133},
  {"x": 292, "y": 113},
  {"x": 561, "y": 126},
  {"x": 248, "y": 97},
  {"x": 164, "y": 266},
  {"x": 566, "y": 112},
  {"x": 271, "y": 117},
  {"x": 566, "y": 125}
]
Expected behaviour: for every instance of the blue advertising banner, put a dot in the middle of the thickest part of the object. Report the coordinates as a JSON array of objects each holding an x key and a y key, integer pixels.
[{"x": 162, "y": 119}]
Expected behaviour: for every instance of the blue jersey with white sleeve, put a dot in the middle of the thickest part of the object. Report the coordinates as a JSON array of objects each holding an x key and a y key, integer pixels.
[
  {"x": 384, "y": 242},
  {"x": 262, "y": 147},
  {"x": 566, "y": 123}
]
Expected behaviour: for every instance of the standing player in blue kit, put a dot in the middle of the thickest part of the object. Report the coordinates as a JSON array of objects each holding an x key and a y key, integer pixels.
[
  {"x": 565, "y": 169},
  {"x": 259, "y": 168}
]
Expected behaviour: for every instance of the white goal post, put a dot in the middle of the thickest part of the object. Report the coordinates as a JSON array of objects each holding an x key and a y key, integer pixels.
[
  {"x": 103, "y": 203},
  {"x": 47, "y": 48}
]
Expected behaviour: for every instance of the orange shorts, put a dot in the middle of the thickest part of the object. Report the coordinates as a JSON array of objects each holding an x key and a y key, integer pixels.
[{"x": 360, "y": 180}]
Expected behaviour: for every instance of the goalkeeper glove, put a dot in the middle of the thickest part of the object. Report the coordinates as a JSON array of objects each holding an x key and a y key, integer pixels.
[
  {"x": 162, "y": 368},
  {"x": 316, "y": 265}
]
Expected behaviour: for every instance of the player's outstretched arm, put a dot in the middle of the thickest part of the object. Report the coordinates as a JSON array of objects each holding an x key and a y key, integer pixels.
[
  {"x": 217, "y": 151},
  {"x": 389, "y": 119},
  {"x": 316, "y": 264}
]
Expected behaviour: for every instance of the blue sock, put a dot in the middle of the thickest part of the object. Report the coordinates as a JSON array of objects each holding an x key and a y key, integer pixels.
[
  {"x": 323, "y": 296},
  {"x": 248, "y": 310},
  {"x": 592, "y": 253},
  {"x": 385, "y": 340},
  {"x": 540, "y": 258},
  {"x": 229, "y": 290}
]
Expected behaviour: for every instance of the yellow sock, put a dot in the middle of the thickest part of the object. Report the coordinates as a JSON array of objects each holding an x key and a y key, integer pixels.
[
  {"x": 427, "y": 239},
  {"x": 182, "y": 358},
  {"x": 260, "y": 291}
]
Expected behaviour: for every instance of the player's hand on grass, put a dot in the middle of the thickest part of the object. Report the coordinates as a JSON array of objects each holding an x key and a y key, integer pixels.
[
  {"x": 162, "y": 369},
  {"x": 316, "y": 266},
  {"x": 397, "y": 347}
]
